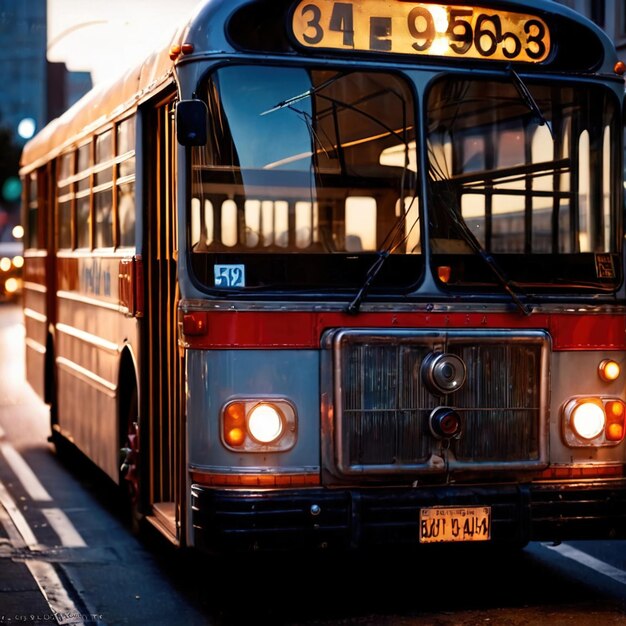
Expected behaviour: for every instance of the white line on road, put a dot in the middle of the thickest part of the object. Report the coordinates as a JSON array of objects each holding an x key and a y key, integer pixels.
[
  {"x": 26, "y": 535},
  {"x": 45, "y": 575},
  {"x": 25, "y": 475},
  {"x": 587, "y": 560},
  {"x": 60, "y": 522},
  {"x": 55, "y": 593}
]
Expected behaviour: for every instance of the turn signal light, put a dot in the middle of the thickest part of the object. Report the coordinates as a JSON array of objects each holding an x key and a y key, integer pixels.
[
  {"x": 234, "y": 424},
  {"x": 615, "y": 414}
]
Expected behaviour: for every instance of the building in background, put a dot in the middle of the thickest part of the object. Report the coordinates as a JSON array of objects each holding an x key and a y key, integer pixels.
[
  {"x": 64, "y": 88},
  {"x": 33, "y": 90},
  {"x": 23, "y": 68}
]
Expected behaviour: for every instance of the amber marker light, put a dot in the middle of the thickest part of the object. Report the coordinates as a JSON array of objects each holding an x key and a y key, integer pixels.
[
  {"x": 609, "y": 370},
  {"x": 615, "y": 414},
  {"x": 175, "y": 51},
  {"x": 620, "y": 68},
  {"x": 234, "y": 424},
  {"x": 444, "y": 272}
]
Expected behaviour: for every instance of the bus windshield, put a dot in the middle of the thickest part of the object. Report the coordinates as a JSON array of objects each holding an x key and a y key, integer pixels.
[
  {"x": 306, "y": 177},
  {"x": 310, "y": 177},
  {"x": 525, "y": 178}
]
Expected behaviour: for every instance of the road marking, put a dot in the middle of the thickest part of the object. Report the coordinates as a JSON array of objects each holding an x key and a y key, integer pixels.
[
  {"x": 63, "y": 527},
  {"x": 43, "y": 572},
  {"x": 26, "y": 535},
  {"x": 25, "y": 475},
  {"x": 587, "y": 560},
  {"x": 55, "y": 593}
]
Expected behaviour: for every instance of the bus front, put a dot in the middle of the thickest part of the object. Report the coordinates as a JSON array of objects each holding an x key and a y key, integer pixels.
[{"x": 402, "y": 301}]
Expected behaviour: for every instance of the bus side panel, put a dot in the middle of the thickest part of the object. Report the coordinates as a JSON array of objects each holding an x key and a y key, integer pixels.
[
  {"x": 215, "y": 377},
  {"x": 91, "y": 332},
  {"x": 35, "y": 321}
]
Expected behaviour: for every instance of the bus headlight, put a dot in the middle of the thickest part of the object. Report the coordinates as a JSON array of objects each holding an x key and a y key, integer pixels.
[
  {"x": 265, "y": 423},
  {"x": 593, "y": 421},
  {"x": 259, "y": 425},
  {"x": 587, "y": 420}
]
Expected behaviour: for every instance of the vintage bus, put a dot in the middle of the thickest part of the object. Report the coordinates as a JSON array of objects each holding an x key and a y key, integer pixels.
[{"x": 342, "y": 274}]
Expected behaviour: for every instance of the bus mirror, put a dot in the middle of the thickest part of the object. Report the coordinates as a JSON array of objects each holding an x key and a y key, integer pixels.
[{"x": 191, "y": 122}]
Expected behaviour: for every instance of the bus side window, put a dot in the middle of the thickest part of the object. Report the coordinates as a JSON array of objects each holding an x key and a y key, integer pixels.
[
  {"x": 125, "y": 181},
  {"x": 65, "y": 200},
  {"x": 83, "y": 196},
  {"x": 103, "y": 190},
  {"x": 32, "y": 236}
]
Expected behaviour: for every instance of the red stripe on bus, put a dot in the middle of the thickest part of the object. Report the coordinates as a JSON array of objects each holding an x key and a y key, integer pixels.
[{"x": 280, "y": 330}]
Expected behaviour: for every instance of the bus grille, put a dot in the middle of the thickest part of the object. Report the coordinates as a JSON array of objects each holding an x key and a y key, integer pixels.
[{"x": 383, "y": 405}]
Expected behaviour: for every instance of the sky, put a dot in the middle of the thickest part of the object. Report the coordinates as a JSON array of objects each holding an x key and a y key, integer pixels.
[{"x": 106, "y": 37}]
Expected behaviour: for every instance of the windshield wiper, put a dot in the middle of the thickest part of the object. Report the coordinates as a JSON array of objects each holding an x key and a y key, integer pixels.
[
  {"x": 302, "y": 96},
  {"x": 355, "y": 304},
  {"x": 528, "y": 99},
  {"x": 390, "y": 243},
  {"x": 477, "y": 247}
]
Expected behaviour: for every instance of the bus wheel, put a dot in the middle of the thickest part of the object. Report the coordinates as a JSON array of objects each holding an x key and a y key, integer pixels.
[{"x": 129, "y": 470}]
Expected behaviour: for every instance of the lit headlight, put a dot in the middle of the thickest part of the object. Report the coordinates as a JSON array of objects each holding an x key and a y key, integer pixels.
[
  {"x": 595, "y": 421},
  {"x": 587, "y": 420},
  {"x": 265, "y": 423},
  {"x": 259, "y": 425}
]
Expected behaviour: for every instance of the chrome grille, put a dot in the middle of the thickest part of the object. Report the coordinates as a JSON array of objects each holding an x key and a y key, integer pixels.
[{"x": 382, "y": 406}]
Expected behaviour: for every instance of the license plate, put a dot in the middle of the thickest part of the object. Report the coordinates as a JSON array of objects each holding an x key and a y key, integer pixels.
[{"x": 447, "y": 524}]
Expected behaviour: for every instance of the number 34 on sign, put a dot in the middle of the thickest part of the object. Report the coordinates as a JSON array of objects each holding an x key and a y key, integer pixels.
[{"x": 387, "y": 26}]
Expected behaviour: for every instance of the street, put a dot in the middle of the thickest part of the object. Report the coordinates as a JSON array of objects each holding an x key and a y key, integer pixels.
[{"x": 67, "y": 557}]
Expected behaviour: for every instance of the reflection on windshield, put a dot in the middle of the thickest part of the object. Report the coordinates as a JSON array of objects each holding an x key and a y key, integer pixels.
[
  {"x": 522, "y": 183},
  {"x": 309, "y": 163}
]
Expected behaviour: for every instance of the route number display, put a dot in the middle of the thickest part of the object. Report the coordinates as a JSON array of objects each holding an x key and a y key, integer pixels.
[{"x": 419, "y": 28}]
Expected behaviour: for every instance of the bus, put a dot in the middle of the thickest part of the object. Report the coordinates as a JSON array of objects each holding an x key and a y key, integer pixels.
[{"x": 337, "y": 275}]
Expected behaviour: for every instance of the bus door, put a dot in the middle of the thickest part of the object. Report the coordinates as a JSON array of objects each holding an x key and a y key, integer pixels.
[{"x": 162, "y": 364}]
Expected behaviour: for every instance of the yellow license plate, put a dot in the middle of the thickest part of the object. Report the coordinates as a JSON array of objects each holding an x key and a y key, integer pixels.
[{"x": 448, "y": 524}]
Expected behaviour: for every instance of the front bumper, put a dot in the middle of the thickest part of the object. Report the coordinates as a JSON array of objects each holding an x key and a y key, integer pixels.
[{"x": 246, "y": 520}]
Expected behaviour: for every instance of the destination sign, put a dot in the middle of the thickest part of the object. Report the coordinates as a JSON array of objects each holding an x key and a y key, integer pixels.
[{"x": 420, "y": 28}]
